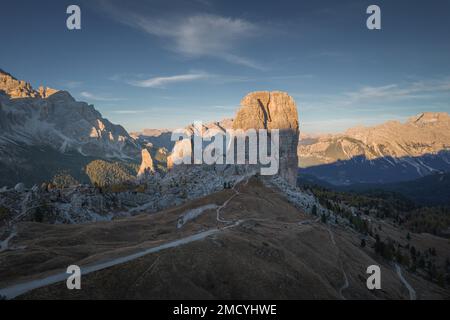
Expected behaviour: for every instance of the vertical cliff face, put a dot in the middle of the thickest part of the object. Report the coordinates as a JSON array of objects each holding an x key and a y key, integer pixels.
[
  {"x": 147, "y": 167},
  {"x": 273, "y": 110},
  {"x": 259, "y": 110}
]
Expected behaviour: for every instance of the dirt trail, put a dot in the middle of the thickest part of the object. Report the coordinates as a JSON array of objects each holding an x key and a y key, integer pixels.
[
  {"x": 412, "y": 292},
  {"x": 236, "y": 193},
  {"x": 341, "y": 266},
  {"x": 19, "y": 289},
  {"x": 4, "y": 245}
]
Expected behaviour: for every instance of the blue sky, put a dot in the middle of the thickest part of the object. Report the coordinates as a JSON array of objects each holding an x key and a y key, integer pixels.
[{"x": 165, "y": 64}]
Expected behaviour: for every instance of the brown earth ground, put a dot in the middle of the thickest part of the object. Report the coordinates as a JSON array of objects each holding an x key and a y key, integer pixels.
[{"x": 277, "y": 252}]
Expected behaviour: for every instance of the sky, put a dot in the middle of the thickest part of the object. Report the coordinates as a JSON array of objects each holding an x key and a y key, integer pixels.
[{"x": 166, "y": 64}]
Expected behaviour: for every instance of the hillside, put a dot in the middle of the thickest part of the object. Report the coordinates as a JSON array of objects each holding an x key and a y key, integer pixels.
[
  {"x": 431, "y": 190},
  {"x": 245, "y": 244}
]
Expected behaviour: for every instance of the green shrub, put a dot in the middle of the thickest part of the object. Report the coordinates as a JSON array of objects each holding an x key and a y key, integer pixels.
[
  {"x": 64, "y": 180},
  {"x": 103, "y": 173}
]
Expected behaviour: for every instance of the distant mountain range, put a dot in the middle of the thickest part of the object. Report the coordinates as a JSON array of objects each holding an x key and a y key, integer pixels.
[
  {"x": 46, "y": 130},
  {"x": 386, "y": 153}
]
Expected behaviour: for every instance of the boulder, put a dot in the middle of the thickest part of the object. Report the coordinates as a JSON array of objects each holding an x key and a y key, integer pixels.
[{"x": 20, "y": 187}]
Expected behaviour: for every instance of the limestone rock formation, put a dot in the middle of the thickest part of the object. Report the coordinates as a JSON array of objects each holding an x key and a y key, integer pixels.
[
  {"x": 146, "y": 168},
  {"x": 45, "y": 92},
  {"x": 273, "y": 110},
  {"x": 267, "y": 110},
  {"x": 21, "y": 89},
  {"x": 16, "y": 88},
  {"x": 259, "y": 110}
]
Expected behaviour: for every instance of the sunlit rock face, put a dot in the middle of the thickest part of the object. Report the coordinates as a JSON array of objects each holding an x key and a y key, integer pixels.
[
  {"x": 54, "y": 118},
  {"x": 16, "y": 88},
  {"x": 259, "y": 110},
  {"x": 147, "y": 168},
  {"x": 389, "y": 152},
  {"x": 45, "y": 131},
  {"x": 273, "y": 110}
]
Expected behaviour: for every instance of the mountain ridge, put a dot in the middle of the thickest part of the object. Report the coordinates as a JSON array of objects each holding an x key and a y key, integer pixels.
[
  {"x": 54, "y": 119},
  {"x": 415, "y": 148}
]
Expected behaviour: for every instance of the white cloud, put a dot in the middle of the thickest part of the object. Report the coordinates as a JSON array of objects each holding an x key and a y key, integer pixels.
[
  {"x": 159, "y": 82},
  {"x": 193, "y": 34},
  {"x": 89, "y": 95}
]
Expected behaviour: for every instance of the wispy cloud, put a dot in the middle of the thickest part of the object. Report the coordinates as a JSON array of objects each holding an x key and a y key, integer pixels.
[
  {"x": 193, "y": 34},
  {"x": 92, "y": 96},
  {"x": 160, "y": 82},
  {"x": 163, "y": 81},
  {"x": 371, "y": 105},
  {"x": 72, "y": 84},
  {"x": 370, "y": 95},
  {"x": 396, "y": 91}
]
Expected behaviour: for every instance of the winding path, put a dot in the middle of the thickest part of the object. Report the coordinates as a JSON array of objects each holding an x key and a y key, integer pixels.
[
  {"x": 412, "y": 292},
  {"x": 4, "y": 245},
  {"x": 236, "y": 193},
  {"x": 19, "y": 289},
  {"x": 346, "y": 283}
]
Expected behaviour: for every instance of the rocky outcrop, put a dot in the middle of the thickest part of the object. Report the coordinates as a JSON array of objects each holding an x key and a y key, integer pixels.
[
  {"x": 16, "y": 88},
  {"x": 45, "y": 92},
  {"x": 21, "y": 89},
  {"x": 273, "y": 110},
  {"x": 259, "y": 110},
  {"x": 146, "y": 168}
]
